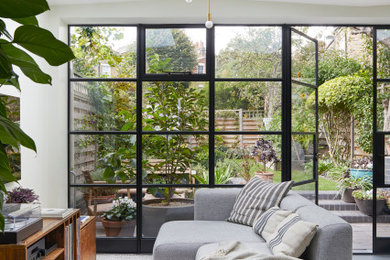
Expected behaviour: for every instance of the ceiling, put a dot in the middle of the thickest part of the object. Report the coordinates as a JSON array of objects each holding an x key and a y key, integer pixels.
[{"x": 362, "y": 3}]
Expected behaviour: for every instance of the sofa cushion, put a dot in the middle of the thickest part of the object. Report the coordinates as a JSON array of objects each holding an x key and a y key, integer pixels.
[
  {"x": 259, "y": 247},
  {"x": 180, "y": 240},
  {"x": 292, "y": 236},
  {"x": 266, "y": 224},
  {"x": 256, "y": 197}
]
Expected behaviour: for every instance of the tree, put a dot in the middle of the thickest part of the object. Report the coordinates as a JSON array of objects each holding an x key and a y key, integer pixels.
[
  {"x": 173, "y": 106},
  {"x": 172, "y": 46},
  {"x": 38, "y": 41},
  {"x": 253, "y": 53},
  {"x": 339, "y": 100}
]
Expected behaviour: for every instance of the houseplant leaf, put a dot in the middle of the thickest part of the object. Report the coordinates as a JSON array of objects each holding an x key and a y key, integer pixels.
[
  {"x": 5, "y": 66},
  {"x": 42, "y": 43},
  {"x": 3, "y": 30},
  {"x": 22, "y": 8},
  {"x": 12, "y": 81},
  {"x": 27, "y": 20},
  {"x": 10, "y": 133},
  {"x": 26, "y": 63}
]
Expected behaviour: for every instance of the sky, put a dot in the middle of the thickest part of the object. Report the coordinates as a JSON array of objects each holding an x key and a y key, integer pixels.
[{"x": 224, "y": 34}]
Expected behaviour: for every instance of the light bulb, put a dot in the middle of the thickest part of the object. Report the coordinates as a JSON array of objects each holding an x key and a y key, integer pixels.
[
  {"x": 209, "y": 24},
  {"x": 188, "y": 1}
]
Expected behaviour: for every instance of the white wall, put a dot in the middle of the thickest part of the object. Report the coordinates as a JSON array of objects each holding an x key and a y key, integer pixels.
[{"x": 44, "y": 108}]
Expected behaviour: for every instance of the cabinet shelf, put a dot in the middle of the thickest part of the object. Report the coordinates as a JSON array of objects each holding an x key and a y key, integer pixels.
[{"x": 53, "y": 255}]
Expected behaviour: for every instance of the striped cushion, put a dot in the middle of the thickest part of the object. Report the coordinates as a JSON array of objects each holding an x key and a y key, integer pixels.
[
  {"x": 256, "y": 197},
  {"x": 292, "y": 236},
  {"x": 266, "y": 224}
]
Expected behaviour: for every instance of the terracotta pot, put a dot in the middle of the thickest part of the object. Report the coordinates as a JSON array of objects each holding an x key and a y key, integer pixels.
[
  {"x": 347, "y": 195},
  {"x": 100, "y": 199},
  {"x": 266, "y": 176},
  {"x": 366, "y": 206},
  {"x": 114, "y": 228}
]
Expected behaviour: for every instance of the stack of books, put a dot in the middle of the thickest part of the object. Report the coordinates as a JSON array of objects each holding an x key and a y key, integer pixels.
[{"x": 55, "y": 213}]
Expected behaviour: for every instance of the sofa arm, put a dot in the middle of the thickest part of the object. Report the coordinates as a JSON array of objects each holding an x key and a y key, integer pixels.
[
  {"x": 214, "y": 204},
  {"x": 333, "y": 239}
]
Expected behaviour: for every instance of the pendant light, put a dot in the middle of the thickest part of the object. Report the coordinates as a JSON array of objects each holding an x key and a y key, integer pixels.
[{"x": 209, "y": 24}]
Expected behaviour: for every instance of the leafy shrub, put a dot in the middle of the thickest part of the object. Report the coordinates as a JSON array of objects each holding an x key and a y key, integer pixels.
[
  {"x": 339, "y": 100},
  {"x": 324, "y": 165},
  {"x": 368, "y": 195},
  {"x": 222, "y": 176}
]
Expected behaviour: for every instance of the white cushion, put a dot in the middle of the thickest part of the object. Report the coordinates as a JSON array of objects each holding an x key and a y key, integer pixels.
[
  {"x": 267, "y": 223},
  {"x": 292, "y": 236}
]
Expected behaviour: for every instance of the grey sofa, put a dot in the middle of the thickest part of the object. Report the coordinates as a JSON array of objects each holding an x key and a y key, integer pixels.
[{"x": 189, "y": 240}]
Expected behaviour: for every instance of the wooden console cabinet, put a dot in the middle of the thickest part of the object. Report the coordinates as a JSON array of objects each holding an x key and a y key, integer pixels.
[
  {"x": 54, "y": 230},
  {"x": 88, "y": 239}
]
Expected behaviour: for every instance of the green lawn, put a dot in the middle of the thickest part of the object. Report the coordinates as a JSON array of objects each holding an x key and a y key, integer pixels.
[{"x": 323, "y": 183}]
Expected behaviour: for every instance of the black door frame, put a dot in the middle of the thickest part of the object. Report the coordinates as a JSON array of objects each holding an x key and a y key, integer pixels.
[
  {"x": 380, "y": 244},
  {"x": 140, "y": 244}
]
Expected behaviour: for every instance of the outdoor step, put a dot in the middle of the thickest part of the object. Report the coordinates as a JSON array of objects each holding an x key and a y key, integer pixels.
[
  {"x": 337, "y": 205},
  {"x": 322, "y": 195},
  {"x": 355, "y": 216}
]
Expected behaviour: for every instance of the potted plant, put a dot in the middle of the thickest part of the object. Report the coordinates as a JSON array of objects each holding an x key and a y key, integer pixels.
[
  {"x": 364, "y": 201},
  {"x": 361, "y": 167},
  {"x": 346, "y": 186},
  {"x": 121, "y": 218},
  {"x": 264, "y": 153},
  {"x": 22, "y": 195},
  {"x": 171, "y": 106}
]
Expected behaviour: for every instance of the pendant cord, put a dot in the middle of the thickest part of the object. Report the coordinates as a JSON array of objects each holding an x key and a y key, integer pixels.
[{"x": 209, "y": 13}]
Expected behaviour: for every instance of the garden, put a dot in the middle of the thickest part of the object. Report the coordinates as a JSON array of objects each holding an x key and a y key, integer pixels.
[{"x": 173, "y": 158}]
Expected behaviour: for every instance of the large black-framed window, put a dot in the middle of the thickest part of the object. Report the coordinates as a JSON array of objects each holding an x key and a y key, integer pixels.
[{"x": 136, "y": 133}]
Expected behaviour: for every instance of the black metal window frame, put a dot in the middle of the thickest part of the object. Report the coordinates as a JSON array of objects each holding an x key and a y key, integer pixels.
[{"x": 141, "y": 244}]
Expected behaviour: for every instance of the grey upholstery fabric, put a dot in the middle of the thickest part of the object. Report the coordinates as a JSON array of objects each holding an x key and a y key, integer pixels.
[
  {"x": 256, "y": 197},
  {"x": 293, "y": 201},
  {"x": 180, "y": 240},
  {"x": 333, "y": 239},
  {"x": 210, "y": 248},
  {"x": 221, "y": 202}
]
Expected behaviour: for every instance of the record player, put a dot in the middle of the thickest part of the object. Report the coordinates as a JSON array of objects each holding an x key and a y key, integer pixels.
[{"x": 21, "y": 221}]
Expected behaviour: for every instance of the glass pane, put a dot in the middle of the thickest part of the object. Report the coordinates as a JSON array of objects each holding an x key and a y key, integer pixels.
[
  {"x": 175, "y": 106},
  {"x": 303, "y": 113},
  {"x": 383, "y": 53},
  {"x": 307, "y": 190},
  {"x": 156, "y": 209},
  {"x": 383, "y": 107},
  {"x": 174, "y": 159},
  {"x": 103, "y": 106},
  {"x": 98, "y": 201},
  {"x": 176, "y": 50},
  {"x": 302, "y": 155},
  {"x": 99, "y": 159},
  {"x": 248, "y": 52},
  {"x": 248, "y": 106},
  {"x": 383, "y": 211},
  {"x": 237, "y": 160},
  {"x": 104, "y": 52},
  {"x": 387, "y": 160},
  {"x": 303, "y": 59},
  {"x": 12, "y": 106}
]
